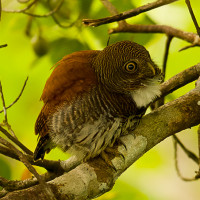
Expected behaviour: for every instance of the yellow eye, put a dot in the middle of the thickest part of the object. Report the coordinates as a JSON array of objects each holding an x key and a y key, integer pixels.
[{"x": 131, "y": 66}]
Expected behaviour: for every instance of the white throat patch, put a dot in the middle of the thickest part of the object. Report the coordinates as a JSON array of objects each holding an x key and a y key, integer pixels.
[{"x": 146, "y": 94}]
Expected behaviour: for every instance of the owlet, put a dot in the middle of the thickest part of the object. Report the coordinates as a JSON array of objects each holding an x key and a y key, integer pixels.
[{"x": 90, "y": 96}]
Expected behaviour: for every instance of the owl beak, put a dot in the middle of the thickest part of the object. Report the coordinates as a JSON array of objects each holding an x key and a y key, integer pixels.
[{"x": 152, "y": 68}]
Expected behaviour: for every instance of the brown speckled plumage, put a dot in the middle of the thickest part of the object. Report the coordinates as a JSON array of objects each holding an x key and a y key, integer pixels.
[{"x": 91, "y": 94}]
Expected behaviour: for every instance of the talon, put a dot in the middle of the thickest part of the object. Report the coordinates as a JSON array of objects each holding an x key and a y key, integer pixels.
[
  {"x": 114, "y": 152},
  {"x": 131, "y": 123},
  {"x": 122, "y": 143},
  {"x": 107, "y": 160}
]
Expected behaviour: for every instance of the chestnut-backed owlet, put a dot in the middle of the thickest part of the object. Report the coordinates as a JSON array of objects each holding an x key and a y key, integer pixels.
[{"x": 90, "y": 96}]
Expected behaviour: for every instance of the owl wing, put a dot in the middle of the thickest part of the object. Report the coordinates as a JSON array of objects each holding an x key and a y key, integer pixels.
[{"x": 72, "y": 76}]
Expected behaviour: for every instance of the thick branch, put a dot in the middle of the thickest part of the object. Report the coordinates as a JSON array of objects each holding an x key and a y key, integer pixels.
[{"x": 95, "y": 178}]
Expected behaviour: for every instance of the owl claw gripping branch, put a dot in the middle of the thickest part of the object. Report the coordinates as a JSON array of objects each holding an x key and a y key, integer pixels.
[{"x": 91, "y": 94}]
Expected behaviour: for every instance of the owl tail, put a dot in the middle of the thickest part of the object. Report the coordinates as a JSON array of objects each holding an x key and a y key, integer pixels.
[{"x": 42, "y": 148}]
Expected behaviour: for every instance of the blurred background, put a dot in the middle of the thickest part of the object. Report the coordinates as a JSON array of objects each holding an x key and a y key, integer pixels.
[{"x": 35, "y": 44}]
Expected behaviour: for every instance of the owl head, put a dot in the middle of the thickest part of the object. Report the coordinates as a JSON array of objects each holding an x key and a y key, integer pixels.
[{"x": 126, "y": 67}]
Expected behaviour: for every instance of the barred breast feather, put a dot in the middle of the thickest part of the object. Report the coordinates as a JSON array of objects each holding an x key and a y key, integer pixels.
[{"x": 86, "y": 127}]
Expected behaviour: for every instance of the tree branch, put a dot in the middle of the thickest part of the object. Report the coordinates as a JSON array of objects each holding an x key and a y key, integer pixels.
[
  {"x": 127, "y": 14},
  {"x": 180, "y": 79},
  {"x": 15, "y": 101},
  {"x": 164, "y": 66},
  {"x": 50, "y": 165},
  {"x": 3, "y": 45},
  {"x": 190, "y": 154},
  {"x": 89, "y": 180},
  {"x": 193, "y": 16},
  {"x": 22, "y": 10},
  {"x": 175, "y": 82},
  {"x": 168, "y": 30},
  {"x": 109, "y": 6},
  {"x": 57, "y": 7},
  {"x": 16, "y": 141}
]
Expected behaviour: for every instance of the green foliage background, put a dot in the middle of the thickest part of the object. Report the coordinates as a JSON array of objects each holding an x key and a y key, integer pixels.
[{"x": 153, "y": 176}]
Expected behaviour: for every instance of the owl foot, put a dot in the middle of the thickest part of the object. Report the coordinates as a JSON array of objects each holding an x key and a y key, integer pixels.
[
  {"x": 130, "y": 124},
  {"x": 109, "y": 154},
  {"x": 70, "y": 163}
]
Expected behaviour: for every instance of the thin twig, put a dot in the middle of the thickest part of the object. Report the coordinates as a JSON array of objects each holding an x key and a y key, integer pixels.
[
  {"x": 54, "y": 167},
  {"x": 50, "y": 165},
  {"x": 4, "y": 106},
  {"x": 183, "y": 75},
  {"x": 57, "y": 21},
  {"x": 11, "y": 185},
  {"x": 21, "y": 157},
  {"x": 36, "y": 15},
  {"x": 17, "y": 142},
  {"x": 188, "y": 152},
  {"x": 62, "y": 25},
  {"x": 109, "y": 6},
  {"x": 15, "y": 101},
  {"x": 188, "y": 46},
  {"x": 194, "y": 44},
  {"x": 8, "y": 152},
  {"x": 22, "y": 10},
  {"x": 3, "y": 45},
  {"x": 193, "y": 16},
  {"x": 16, "y": 185},
  {"x": 47, "y": 14},
  {"x": 153, "y": 28},
  {"x": 113, "y": 11},
  {"x": 5, "y": 122},
  {"x": 161, "y": 101},
  {"x": 24, "y": 160},
  {"x": 13, "y": 136},
  {"x": 168, "y": 42},
  {"x": 176, "y": 163},
  {"x": 127, "y": 14}
]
